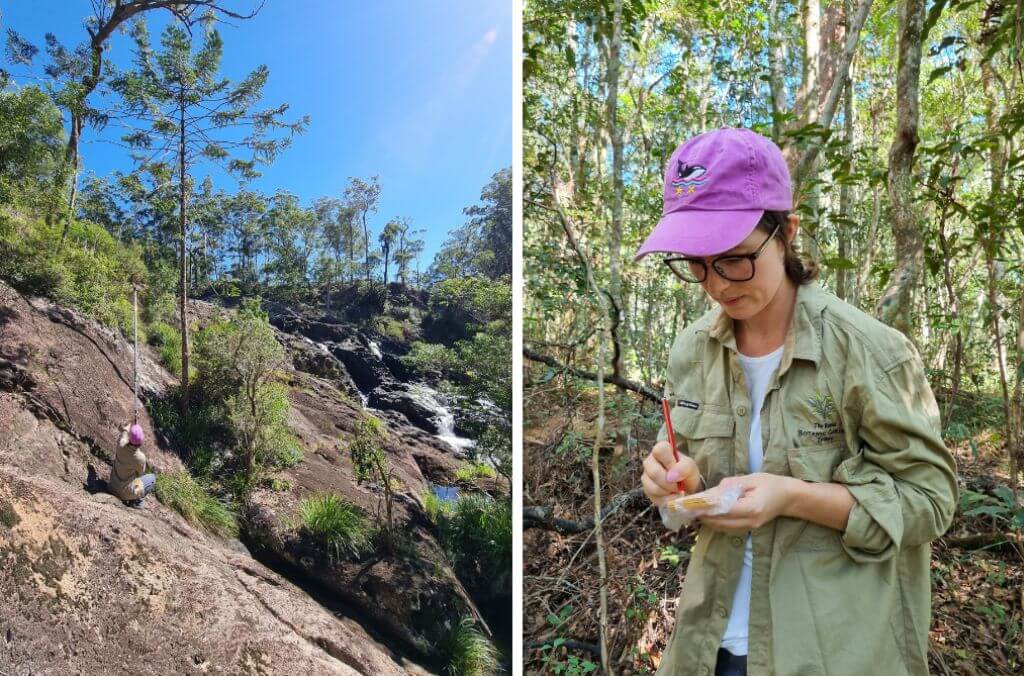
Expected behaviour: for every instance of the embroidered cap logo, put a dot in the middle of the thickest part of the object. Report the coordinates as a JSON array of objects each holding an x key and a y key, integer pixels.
[{"x": 689, "y": 177}]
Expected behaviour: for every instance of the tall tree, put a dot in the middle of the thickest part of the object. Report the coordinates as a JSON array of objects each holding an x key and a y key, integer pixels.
[
  {"x": 187, "y": 113},
  {"x": 389, "y": 237},
  {"x": 363, "y": 196}
]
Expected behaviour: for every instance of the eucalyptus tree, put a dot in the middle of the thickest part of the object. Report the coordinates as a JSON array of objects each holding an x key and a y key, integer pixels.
[{"x": 363, "y": 196}]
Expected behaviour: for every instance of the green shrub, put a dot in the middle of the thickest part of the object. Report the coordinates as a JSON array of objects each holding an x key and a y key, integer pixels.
[
  {"x": 431, "y": 358},
  {"x": 336, "y": 523},
  {"x": 477, "y": 535},
  {"x": 473, "y": 470},
  {"x": 469, "y": 652},
  {"x": 278, "y": 484},
  {"x": 289, "y": 451},
  {"x": 90, "y": 273},
  {"x": 391, "y": 327},
  {"x": 371, "y": 463},
  {"x": 186, "y": 496},
  {"x": 237, "y": 364},
  {"x": 168, "y": 339}
]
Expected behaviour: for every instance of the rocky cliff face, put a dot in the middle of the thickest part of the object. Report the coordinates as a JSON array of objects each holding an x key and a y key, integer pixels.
[{"x": 90, "y": 586}]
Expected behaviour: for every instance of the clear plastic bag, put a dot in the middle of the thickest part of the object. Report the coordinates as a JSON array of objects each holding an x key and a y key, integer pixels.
[{"x": 712, "y": 502}]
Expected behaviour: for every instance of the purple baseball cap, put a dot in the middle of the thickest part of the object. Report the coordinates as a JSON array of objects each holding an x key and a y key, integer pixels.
[{"x": 717, "y": 187}]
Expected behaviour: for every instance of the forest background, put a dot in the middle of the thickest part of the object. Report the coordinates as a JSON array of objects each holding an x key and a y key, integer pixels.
[{"x": 900, "y": 121}]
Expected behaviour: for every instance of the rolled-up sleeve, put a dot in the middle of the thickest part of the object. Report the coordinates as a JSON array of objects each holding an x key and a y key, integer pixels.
[{"x": 902, "y": 477}]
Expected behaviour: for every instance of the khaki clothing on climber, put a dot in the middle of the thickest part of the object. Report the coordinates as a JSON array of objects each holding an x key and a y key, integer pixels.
[
  {"x": 849, "y": 404},
  {"x": 126, "y": 475}
]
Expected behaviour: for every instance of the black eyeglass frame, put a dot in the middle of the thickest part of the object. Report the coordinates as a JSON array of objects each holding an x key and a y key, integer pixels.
[{"x": 714, "y": 262}]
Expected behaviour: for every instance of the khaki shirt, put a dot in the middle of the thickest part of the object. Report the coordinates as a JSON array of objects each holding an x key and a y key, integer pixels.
[
  {"x": 129, "y": 465},
  {"x": 849, "y": 404}
]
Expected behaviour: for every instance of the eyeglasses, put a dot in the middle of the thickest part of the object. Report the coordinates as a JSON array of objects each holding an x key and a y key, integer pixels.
[{"x": 734, "y": 267}]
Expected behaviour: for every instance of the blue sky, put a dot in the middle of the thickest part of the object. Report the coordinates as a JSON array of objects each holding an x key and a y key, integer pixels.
[{"x": 419, "y": 93}]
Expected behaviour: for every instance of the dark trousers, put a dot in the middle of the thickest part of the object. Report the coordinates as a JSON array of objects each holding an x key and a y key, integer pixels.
[{"x": 729, "y": 664}]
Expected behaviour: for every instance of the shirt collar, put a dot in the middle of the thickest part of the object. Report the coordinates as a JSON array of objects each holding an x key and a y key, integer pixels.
[{"x": 803, "y": 340}]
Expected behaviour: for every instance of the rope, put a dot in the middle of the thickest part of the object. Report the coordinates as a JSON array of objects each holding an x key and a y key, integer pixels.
[{"x": 135, "y": 324}]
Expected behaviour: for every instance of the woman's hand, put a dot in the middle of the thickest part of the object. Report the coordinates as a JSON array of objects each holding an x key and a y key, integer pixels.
[
  {"x": 765, "y": 497},
  {"x": 662, "y": 474}
]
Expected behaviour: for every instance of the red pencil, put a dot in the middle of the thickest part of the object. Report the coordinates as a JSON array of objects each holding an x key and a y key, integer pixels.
[{"x": 665, "y": 411}]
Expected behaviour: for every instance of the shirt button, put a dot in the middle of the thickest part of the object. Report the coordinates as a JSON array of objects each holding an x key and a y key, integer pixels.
[
  {"x": 736, "y": 542},
  {"x": 741, "y": 410},
  {"x": 722, "y": 612}
]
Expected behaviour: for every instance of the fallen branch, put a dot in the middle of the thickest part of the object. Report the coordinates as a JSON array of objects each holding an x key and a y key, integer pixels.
[
  {"x": 542, "y": 517},
  {"x": 981, "y": 540},
  {"x": 569, "y": 644},
  {"x": 624, "y": 383}
]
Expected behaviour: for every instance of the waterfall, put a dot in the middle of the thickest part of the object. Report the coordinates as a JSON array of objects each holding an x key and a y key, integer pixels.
[{"x": 431, "y": 399}]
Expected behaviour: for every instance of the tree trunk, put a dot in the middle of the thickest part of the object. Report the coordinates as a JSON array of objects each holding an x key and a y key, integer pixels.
[
  {"x": 776, "y": 65},
  {"x": 952, "y": 297},
  {"x": 807, "y": 95},
  {"x": 183, "y": 232},
  {"x": 993, "y": 243},
  {"x": 894, "y": 308},
  {"x": 603, "y": 337},
  {"x": 845, "y": 203},
  {"x": 1017, "y": 407},
  {"x": 615, "y": 238},
  {"x": 804, "y": 167},
  {"x": 366, "y": 247}
]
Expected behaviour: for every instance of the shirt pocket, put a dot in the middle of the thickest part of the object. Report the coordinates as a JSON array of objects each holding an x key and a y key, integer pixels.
[
  {"x": 708, "y": 432},
  {"x": 814, "y": 464}
]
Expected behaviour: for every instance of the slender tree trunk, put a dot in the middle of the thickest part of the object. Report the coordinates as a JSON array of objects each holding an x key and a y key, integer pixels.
[
  {"x": 894, "y": 308},
  {"x": 869, "y": 248},
  {"x": 1017, "y": 407},
  {"x": 807, "y": 95},
  {"x": 952, "y": 297},
  {"x": 366, "y": 247},
  {"x": 993, "y": 243},
  {"x": 604, "y": 336},
  {"x": 776, "y": 65},
  {"x": 183, "y": 255},
  {"x": 845, "y": 203},
  {"x": 615, "y": 237}
]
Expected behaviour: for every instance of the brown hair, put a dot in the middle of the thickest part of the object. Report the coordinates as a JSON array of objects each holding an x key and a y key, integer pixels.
[{"x": 800, "y": 269}]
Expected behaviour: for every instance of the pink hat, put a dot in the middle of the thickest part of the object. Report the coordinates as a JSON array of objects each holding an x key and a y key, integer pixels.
[
  {"x": 717, "y": 187},
  {"x": 135, "y": 435}
]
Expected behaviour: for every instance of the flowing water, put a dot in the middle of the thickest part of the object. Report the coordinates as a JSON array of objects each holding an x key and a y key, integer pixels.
[{"x": 445, "y": 419}]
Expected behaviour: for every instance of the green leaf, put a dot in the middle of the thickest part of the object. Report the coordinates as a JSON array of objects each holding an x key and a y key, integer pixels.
[
  {"x": 987, "y": 510},
  {"x": 1006, "y": 495}
]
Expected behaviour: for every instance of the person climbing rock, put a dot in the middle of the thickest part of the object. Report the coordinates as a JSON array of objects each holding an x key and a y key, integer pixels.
[{"x": 129, "y": 480}]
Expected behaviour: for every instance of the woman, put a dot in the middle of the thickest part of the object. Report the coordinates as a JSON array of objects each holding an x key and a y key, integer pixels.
[
  {"x": 820, "y": 413},
  {"x": 128, "y": 478}
]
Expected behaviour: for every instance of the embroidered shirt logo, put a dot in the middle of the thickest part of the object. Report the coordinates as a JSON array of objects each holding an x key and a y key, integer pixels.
[
  {"x": 689, "y": 177},
  {"x": 825, "y": 427}
]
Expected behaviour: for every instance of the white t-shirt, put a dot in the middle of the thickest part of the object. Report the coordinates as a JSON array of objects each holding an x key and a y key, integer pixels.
[{"x": 758, "y": 371}]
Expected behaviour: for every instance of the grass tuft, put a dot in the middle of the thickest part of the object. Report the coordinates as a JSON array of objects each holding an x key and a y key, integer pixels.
[
  {"x": 337, "y": 523},
  {"x": 469, "y": 652},
  {"x": 189, "y": 498}
]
